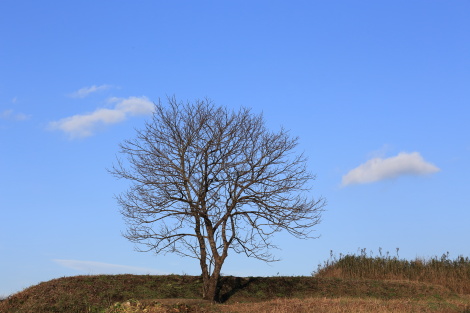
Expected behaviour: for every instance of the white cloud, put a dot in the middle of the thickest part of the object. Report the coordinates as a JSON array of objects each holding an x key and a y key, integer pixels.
[
  {"x": 84, "y": 125},
  {"x": 91, "y": 267},
  {"x": 133, "y": 105},
  {"x": 85, "y": 91},
  {"x": 378, "y": 169},
  {"x": 11, "y": 115},
  {"x": 6, "y": 114}
]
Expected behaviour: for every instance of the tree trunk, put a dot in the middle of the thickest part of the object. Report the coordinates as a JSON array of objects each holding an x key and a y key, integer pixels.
[
  {"x": 210, "y": 288},
  {"x": 210, "y": 283}
]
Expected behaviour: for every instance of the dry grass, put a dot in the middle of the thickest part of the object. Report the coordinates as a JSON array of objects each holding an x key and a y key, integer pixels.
[
  {"x": 326, "y": 305},
  {"x": 95, "y": 293},
  {"x": 350, "y": 283},
  {"x": 453, "y": 274},
  {"x": 318, "y": 305},
  {"x": 134, "y": 293}
]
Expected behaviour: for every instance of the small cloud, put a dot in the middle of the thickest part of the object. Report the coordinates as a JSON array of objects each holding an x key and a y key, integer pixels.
[
  {"x": 11, "y": 115},
  {"x": 21, "y": 117},
  {"x": 84, "y": 125},
  {"x": 6, "y": 114},
  {"x": 378, "y": 169},
  {"x": 133, "y": 105},
  {"x": 91, "y": 267},
  {"x": 85, "y": 91}
]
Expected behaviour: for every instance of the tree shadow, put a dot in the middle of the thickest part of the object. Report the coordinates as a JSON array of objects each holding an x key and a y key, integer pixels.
[{"x": 230, "y": 285}]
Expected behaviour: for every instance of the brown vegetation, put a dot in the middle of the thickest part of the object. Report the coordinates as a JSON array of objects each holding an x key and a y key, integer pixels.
[
  {"x": 346, "y": 284},
  {"x": 285, "y": 305},
  {"x": 453, "y": 274}
]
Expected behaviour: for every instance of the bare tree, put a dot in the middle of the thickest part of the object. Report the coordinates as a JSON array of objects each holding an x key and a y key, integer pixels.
[{"x": 206, "y": 179}]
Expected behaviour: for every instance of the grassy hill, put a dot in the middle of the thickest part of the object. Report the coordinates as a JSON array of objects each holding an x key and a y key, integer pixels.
[
  {"x": 348, "y": 284},
  {"x": 101, "y": 293}
]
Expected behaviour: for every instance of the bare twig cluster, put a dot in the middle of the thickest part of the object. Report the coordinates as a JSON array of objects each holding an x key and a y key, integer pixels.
[{"x": 206, "y": 180}]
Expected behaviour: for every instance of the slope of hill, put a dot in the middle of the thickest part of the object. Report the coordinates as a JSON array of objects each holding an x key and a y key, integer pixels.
[{"x": 112, "y": 293}]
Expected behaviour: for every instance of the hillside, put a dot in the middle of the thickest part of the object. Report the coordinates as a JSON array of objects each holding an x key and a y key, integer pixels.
[
  {"x": 350, "y": 283},
  {"x": 133, "y": 293}
]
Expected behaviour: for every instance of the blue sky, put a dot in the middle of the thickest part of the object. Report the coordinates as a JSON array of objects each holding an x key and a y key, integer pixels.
[{"x": 377, "y": 91}]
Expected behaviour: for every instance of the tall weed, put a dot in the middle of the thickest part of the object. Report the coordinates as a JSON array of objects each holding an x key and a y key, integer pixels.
[{"x": 451, "y": 273}]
